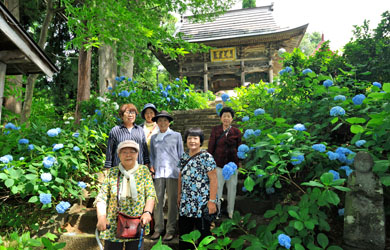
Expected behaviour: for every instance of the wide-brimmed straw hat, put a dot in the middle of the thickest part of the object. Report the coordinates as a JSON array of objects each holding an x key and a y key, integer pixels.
[
  {"x": 148, "y": 106},
  {"x": 128, "y": 144},
  {"x": 163, "y": 114}
]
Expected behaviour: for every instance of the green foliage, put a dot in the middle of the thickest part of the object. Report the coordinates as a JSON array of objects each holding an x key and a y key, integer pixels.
[
  {"x": 25, "y": 241},
  {"x": 248, "y": 4},
  {"x": 309, "y": 43}
]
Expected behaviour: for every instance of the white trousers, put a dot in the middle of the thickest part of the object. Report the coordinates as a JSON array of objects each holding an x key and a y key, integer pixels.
[{"x": 231, "y": 186}]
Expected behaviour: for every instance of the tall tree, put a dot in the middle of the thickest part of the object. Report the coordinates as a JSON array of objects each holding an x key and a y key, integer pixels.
[
  {"x": 246, "y": 4},
  {"x": 309, "y": 42}
]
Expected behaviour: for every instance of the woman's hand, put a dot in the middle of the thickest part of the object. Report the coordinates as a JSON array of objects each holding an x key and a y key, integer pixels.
[
  {"x": 146, "y": 218},
  {"x": 102, "y": 223},
  {"x": 212, "y": 207}
]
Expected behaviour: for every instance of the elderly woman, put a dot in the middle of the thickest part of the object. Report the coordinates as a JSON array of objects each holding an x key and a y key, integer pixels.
[
  {"x": 150, "y": 127},
  {"x": 197, "y": 187},
  {"x": 166, "y": 148},
  {"x": 135, "y": 197},
  {"x": 223, "y": 145},
  {"x": 126, "y": 131}
]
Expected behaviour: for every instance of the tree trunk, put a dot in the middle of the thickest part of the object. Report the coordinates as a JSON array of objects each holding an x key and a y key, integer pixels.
[
  {"x": 14, "y": 83},
  {"x": 3, "y": 68},
  {"x": 84, "y": 80},
  {"x": 127, "y": 65},
  {"x": 107, "y": 68},
  {"x": 26, "y": 112}
]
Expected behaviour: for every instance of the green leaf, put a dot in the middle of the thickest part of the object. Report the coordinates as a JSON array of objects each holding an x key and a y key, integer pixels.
[
  {"x": 326, "y": 178},
  {"x": 356, "y": 129},
  {"x": 312, "y": 184},
  {"x": 274, "y": 158},
  {"x": 207, "y": 240},
  {"x": 334, "y": 248},
  {"x": 3, "y": 176},
  {"x": 249, "y": 183},
  {"x": 309, "y": 225},
  {"x": 386, "y": 87},
  {"x": 337, "y": 126},
  {"x": 381, "y": 166},
  {"x": 385, "y": 180},
  {"x": 331, "y": 197},
  {"x": 356, "y": 120},
  {"x": 322, "y": 240},
  {"x": 31, "y": 176},
  {"x": 9, "y": 183},
  {"x": 293, "y": 214},
  {"x": 33, "y": 199},
  {"x": 298, "y": 246},
  {"x": 237, "y": 244},
  {"x": 298, "y": 225},
  {"x": 334, "y": 120},
  {"x": 270, "y": 213}
]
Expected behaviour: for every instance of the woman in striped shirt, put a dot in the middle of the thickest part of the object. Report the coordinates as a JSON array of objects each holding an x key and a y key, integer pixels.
[{"x": 128, "y": 130}]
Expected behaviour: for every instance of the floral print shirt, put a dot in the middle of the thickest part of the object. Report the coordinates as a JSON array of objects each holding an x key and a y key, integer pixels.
[
  {"x": 195, "y": 183},
  {"x": 108, "y": 194}
]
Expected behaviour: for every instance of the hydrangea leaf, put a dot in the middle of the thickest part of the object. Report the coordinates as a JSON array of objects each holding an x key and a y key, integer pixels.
[
  {"x": 9, "y": 183},
  {"x": 298, "y": 246},
  {"x": 334, "y": 120},
  {"x": 381, "y": 166},
  {"x": 386, "y": 87},
  {"x": 293, "y": 214},
  {"x": 327, "y": 178},
  {"x": 331, "y": 197},
  {"x": 322, "y": 240},
  {"x": 385, "y": 180},
  {"x": 270, "y": 213},
  {"x": 309, "y": 225},
  {"x": 33, "y": 199},
  {"x": 249, "y": 184},
  {"x": 298, "y": 225},
  {"x": 274, "y": 158},
  {"x": 3, "y": 176},
  {"x": 356, "y": 120},
  {"x": 356, "y": 129}
]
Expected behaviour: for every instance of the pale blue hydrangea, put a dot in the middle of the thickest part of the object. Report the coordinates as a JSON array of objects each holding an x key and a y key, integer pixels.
[
  {"x": 270, "y": 190},
  {"x": 218, "y": 108},
  {"x": 241, "y": 155},
  {"x": 77, "y": 134},
  {"x": 98, "y": 112},
  {"x": 10, "y": 125},
  {"x": 244, "y": 189},
  {"x": 81, "y": 184},
  {"x": 347, "y": 170},
  {"x": 358, "y": 99},
  {"x": 164, "y": 93},
  {"x": 168, "y": 99},
  {"x": 360, "y": 143},
  {"x": 45, "y": 198},
  {"x": 284, "y": 241},
  {"x": 243, "y": 148},
  {"x": 339, "y": 98},
  {"x": 306, "y": 71},
  {"x": 332, "y": 156},
  {"x": 124, "y": 93},
  {"x": 341, "y": 212},
  {"x": 109, "y": 88},
  {"x": 6, "y": 159},
  {"x": 225, "y": 97},
  {"x": 327, "y": 83},
  {"x": 168, "y": 87},
  {"x": 377, "y": 84},
  {"x": 160, "y": 86},
  {"x": 46, "y": 177},
  {"x": 299, "y": 127},
  {"x": 62, "y": 207},
  {"x": 336, "y": 111},
  {"x": 228, "y": 170},
  {"x": 245, "y": 118},
  {"x": 31, "y": 147},
  {"x": 295, "y": 160},
  {"x": 48, "y": 161},
  {"x": 177, "y": 86},
  {"x": 319, "y": 147},
  {"x": 336, "y": 175},
  {"x": 259, "y": 111},
  {"x": 248, "y": 133},
  {"x": 130, "y": 79},
  {"x": 271, "y": 90},
  {"x": 285, "y": 70},
  {"x": 76, "y": 148},
  {"x": 52, "y": 132},
  {"x": 117, "y": 78},
  {"x": 21, "y": 158},
  {"x": 257, "y": 132},
  {"x": 177, "y": 79},
  {"x": 24, "y": 141},
  {"x": 57, "y": 146}
]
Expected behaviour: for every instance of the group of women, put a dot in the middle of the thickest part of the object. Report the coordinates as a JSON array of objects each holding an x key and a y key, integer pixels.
[{"x": 147, "y": 162}]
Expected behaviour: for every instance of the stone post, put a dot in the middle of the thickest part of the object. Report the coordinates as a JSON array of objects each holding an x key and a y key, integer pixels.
[{"x": 364, "y": 217}]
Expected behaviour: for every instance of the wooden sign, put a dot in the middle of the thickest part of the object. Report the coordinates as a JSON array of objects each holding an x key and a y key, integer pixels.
[{"x": 224, "y": 54}]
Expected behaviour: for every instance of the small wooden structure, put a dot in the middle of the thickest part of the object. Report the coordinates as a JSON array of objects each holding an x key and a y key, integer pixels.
[
  {"x": 19, "y": 54},
  {"x": 244, "y": 49}
]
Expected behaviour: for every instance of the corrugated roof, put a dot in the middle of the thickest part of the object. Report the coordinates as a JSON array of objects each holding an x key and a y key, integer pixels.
[{"x": 234, "y": 23}]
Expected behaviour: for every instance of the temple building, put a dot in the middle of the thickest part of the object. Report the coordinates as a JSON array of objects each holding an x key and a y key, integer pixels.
[{"x": 244, "y": 45}]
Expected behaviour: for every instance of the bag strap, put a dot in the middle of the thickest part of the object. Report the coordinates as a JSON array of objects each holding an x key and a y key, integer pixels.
[
  {"x": 192, "y": 157},
  {"x": 117, "y": 190},
  {"x": 217, "y": 140}
]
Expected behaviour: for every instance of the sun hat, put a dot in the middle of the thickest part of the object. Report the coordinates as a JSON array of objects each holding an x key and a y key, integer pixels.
[
  {"x": 128, "y": 144},
  {"x": 146, "y": 106},
  {"x": 163, "y": 114}
]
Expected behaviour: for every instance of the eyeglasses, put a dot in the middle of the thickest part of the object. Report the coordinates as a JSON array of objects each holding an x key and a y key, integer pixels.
[{"x": 131, "y": 112}]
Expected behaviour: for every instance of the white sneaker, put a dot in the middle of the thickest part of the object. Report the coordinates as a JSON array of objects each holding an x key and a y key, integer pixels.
[{"x": 230, "y": 215}]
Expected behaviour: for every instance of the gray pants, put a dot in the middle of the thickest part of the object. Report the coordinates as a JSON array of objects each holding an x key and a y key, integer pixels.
[{"x": 169, "y": 184}]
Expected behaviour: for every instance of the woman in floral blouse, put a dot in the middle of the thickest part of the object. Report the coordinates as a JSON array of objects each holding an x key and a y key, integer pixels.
[
  {"x": 197, "y": 187},
  {"x": 136, "y": 196}
]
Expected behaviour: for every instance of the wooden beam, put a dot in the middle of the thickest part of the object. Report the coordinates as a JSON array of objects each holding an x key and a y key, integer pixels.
[
  {"x": 205, "y": 78},
  {"x": 271, "y": 71},
  {"x": 242, "y": 73},
  {"x": 3, "y": 68},
  {"x": 8, "y": 56},
  {"x": 24, "y": 46}
]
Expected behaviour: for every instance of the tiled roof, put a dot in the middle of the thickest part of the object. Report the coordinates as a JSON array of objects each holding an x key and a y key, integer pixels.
[{"x": 234, "y": 23}]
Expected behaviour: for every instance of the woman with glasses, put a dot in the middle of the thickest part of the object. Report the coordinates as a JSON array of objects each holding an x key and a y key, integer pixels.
[{"x": 128, "y": 130}]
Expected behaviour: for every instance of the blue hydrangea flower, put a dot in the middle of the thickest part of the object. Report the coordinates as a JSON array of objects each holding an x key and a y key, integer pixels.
[
  {"x": 332, "y": 156},
  {"x": 31, "y": 147},
  {"x": 347, "y": 170},
  {"x": 45, "y": 198},
  {"x": 319, "y": 147},
  {"x": 168, "y": 87},
  {"x": 295, "y": 160},
  {"x": 244, "y": 189},
  {"x": 124, "y": 93},
  {"x": 259, "y": 111},
  {"x": 10, "y": 125},
  {"x": 76, "y": 148},
  {"x": 225, "y": 97},
  {"x": 24, "y": 141},
  {"x": 284, "y": 241},
  {"x": 168, "y": 99},
  {"x": 336, "y": 175},
  {"x": 248, "y": 133},
  {"x": 48, "y": 161},
  {"x": 282, "y": 72},
  {"x": 241, "y": 155},
  {"x": 4, "y": 160},
  {"x": 360, "y": 143},
  {"x": 109, "y": 88},
  {"x": 129, "y": 79},
  {"x": 299, "y": 127},
  {"x": 218, "y": 107},
  {"x": 288, "y": 69},
  {"x": 228, "y": 170},
  {"x": 21, "y": 158},
  {"x": 46, "y": 177},
  {"x": 77, "y": 134},
  {"x": 358, "y": 99},
  {"x": 270, "y": 190},
  {"x": 160, "y": 86},
  {"x": 122, "y": 78},
  {"x": 6, "y": 132},
  {"x": 336, "y": 111},
  {"x": 377, "y": 84},
  {"x": 341, "y": 212},
  {"x": 243, "y": 148},
  {"x": 271, "y": 90},
  {"x": 339, "y": 98},
  {"x": 135, "y": 82},
  {"x": 52, "y": 132},
  {"x": 177, "y": 79},
  {"x": 245, "y": 118},
  {"x": 81, "y": 184},
  {"x": 57, "y": 146},
  {"x": 257, "y": 132},
  {"x": 327, "y": 83},
  {"x": 306, "y": 71},
  {"x": 98, "y": 112},
  {"x": 75, "y": 167},
  {"x": 164, "y": 93},
  {"x": 62, "y": 207},
  {"x": 177, "y": 86}
]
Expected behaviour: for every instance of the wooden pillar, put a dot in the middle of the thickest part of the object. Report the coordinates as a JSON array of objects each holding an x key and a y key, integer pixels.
[
  {"x": 3, "y": 68},
  {"x": 242, "y": 73},
  {"x": 205, "y": 78},
  {"x": 270, "y": 71}
]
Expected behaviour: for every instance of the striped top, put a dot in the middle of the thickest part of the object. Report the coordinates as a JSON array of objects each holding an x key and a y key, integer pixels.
[{"x": 120, "y": 133}]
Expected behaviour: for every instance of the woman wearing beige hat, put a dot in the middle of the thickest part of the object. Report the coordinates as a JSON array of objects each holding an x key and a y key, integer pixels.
[{"x": 128, "y": 188}]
